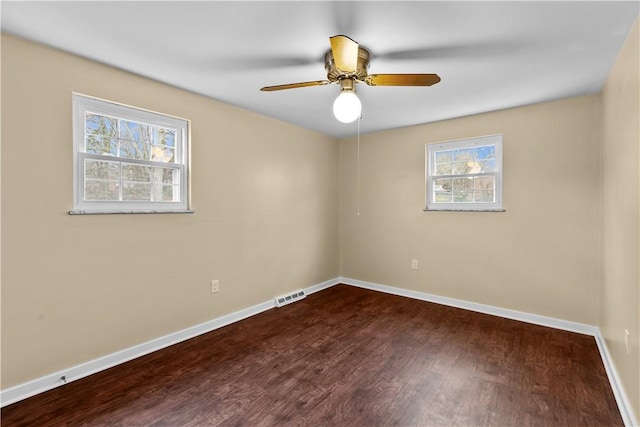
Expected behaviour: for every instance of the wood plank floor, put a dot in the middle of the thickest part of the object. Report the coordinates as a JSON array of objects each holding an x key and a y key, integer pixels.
[{"x": 347, "y": 357}]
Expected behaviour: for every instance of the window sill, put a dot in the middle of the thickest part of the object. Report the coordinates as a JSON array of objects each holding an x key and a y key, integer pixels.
[
  {"x": 98, "y": 212},
  {"x": 464, "y": 210}
]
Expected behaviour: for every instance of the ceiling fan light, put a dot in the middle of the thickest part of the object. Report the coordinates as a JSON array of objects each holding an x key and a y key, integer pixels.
[{"x": 347, "y": 106}]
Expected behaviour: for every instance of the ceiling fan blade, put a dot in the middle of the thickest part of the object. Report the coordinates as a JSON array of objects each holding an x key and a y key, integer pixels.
[
  {"x": 469, "y": 50},
  {"x": 295, "y": 85},
  {"x": 259, "y": 63},
  {"x": 401, "y": 79},
  {"x": 345, "y": 53}
]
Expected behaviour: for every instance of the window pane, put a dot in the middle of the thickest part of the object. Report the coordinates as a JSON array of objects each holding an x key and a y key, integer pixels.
[
  {"x": 133, "y": 131},
  {"x": 165, "y": 193},
  {"x": 484, "y": 196},
  {"x": 442, "y": 190},
  {"x": 101, "y": 190},
  {"x": 166, "y": 175},
  {"x": 486, "y": 152},
  {"x": 164, "y": 136},
  {"x": 136, "y": 173},
  {"x": 487, "y": 165},
  {"x": 100, "y": 125},
  {"x": 98, "y": 144},
  {"x": 462, "y": 190},
  {"x": 94, "y": 169},
  {"x": 101, "y": 134},
  {"x": 444, "y": 169},
  {"x": 442, "y": 184},
  {"x": 462, "y": 196},
  {"x": 460, "y": 184},
  {"x": 460, "y": 168},
  {"x": 484, "y": 182},
  {"x": 442, "y": 196},
  {"x": 474, "y": 167},
  {"x": 136, "y": 192},
  {"x": 463, "y": 155},
  {"x": 170, "y": 193},
  {"x": 163, "y": 154},
  {"x": 443, "y": 157},
  {"x": 134, "y": 150}
]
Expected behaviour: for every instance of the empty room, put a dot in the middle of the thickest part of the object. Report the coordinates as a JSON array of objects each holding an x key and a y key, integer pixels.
[{"x": 366, "y": 213}]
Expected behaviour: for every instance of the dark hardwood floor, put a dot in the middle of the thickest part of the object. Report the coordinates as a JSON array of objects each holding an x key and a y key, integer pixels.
[{"x": 347, "y": 357}]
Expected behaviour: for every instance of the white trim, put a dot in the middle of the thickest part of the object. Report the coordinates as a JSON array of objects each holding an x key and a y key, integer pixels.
[
  {"x": 626, "y": 410},
  {"x": 82, "y": 104},
  {"x": 624, "y": 406},
  {"x": 464, "y": 210},
  {"x": 487, "y": 140},
  {"x": 96, "y": 212},
  {"x": 51, "y": 381},
  {"x": 536, "y": 319},
  {"x": 322, "y": 286}
]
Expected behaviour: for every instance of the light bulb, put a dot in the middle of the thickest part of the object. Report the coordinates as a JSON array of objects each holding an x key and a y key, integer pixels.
[{"x": 347, "y": 106}]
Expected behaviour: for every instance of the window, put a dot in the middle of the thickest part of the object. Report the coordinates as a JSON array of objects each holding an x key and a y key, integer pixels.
[
  {"x": 128, "y": 160},
  {"x": 465, "y": 174}
]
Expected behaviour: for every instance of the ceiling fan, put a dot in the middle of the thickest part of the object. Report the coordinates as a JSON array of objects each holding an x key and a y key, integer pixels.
[{"x": 347, "y": 63}]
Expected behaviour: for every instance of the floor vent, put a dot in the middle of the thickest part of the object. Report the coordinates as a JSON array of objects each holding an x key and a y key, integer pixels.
[{"x": 289, "y": 298}]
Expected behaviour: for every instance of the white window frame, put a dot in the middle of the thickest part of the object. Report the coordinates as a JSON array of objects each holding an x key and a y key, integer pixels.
[
  {"x": 83, "y": 104},
  {"x": 431, "y": 149}
]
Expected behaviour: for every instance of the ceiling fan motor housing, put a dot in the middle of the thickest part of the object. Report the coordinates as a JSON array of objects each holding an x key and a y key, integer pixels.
[
  {"x": 334, "y": 74},
  {"x": 347, "y": 63}
]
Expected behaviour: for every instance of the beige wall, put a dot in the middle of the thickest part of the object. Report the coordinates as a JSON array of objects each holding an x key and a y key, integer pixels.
[
  {"x": 540, "y": 256},
  {"x": 620, "y": 293},
  {"x": 75, "y": 288},
  {"x": 269, "y": 206}
]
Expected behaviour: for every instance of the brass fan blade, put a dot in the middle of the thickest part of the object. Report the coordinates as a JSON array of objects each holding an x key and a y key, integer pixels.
[
  {"x": 401, "y": 79},
  {"x": 345, "y": 53},
  {"x": 295, "y": 85}
]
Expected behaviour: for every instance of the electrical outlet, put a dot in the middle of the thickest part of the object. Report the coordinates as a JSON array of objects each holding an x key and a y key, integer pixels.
[
  {"x": 626, "y": 340},
  {"x": 215, "y": 286},
  {"x": 414, "y": 264}
]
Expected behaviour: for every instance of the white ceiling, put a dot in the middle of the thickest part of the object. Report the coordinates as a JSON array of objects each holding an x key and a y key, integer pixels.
[{"x": 490, "y": 55}]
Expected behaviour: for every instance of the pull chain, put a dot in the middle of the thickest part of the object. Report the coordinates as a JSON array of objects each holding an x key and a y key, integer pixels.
[{"x": 358, "y": 172}]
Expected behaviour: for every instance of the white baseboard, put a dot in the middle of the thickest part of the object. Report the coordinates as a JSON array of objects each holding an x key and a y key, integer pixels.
[
  {"x": 48, "y": 382},
  {"x": 322, "y": 286},
  {"x": 481, "y": 308},
  {"x": 624, "y": 406},
  {"x": 51, "y": 381}
]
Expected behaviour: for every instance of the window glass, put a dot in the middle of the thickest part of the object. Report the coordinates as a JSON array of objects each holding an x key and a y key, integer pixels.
[
  {"x": 128, "y": 159},
  {"x": 465, "y": 174}
]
